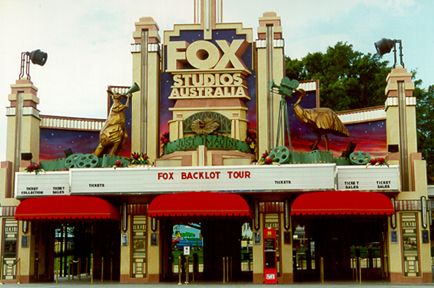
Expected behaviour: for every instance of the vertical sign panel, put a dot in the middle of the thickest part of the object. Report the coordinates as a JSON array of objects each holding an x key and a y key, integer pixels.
[
  {"x": 9, "y": 253},
  {"x": 409, "y": 244},
  {"x": 139, "y": 247}
]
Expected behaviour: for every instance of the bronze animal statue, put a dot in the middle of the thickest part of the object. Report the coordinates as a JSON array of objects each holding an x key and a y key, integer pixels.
[
  {"x": 322, "y": 121},
  {"x": 114, "y": 133}
]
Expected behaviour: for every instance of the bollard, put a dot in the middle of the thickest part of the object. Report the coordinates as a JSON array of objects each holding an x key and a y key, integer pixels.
[
  {"x": 224, "y": 269},
  {"x": 187, "y": 268},
  {"x": 360, "y": 271},
  {"x": 356, "y": 269},
  {"x": 102, "y": 269},
  {"x": 91, "y": 268},
  {"x": 179, "y": 271},
  {"x": 321, "y": 270},
  {"x": 227, "y": 262}
]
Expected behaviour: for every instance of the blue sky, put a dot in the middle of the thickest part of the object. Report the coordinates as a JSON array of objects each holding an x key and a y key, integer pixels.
[{"x": 88, "y": 42}]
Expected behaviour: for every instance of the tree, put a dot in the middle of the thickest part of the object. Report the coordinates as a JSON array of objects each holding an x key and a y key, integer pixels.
[
  {"x": 350, "y": 79},
  {"x": 425, "y": 127}
]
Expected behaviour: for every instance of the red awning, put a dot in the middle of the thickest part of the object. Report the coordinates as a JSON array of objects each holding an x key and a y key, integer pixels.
[
  {"x": 342, "y": 203},
  {"x": 66, "y": 207},
  {"x": 199, "y": 204}
]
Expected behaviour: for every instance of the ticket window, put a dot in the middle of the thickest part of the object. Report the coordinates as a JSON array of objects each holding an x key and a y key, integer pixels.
[{"x": 270, "y": 259}]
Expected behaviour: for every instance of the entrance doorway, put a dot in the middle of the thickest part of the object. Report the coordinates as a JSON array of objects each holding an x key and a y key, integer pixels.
[
  {"x": 347, "y": 247},
  {"x": 219, "y": 250},
  {"x": 76, "y": 250},
  {"x": 90, "y": 249}
]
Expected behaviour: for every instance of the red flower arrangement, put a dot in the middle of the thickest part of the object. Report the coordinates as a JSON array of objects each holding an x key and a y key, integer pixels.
[
  {"x": 34, "y": 167},
  {"x": 378, "y": 162},
  {"x": 164, "y": 138},
  {"x": 139, "y": 158},
  {"x": 265, "y": 159}
]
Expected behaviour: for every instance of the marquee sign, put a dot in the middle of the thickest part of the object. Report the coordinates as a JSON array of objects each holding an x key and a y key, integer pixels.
[
  {"x": 371, "y": 178},
  {"x": 255, "y": 178},
  {"x": 43, "y": 184}
]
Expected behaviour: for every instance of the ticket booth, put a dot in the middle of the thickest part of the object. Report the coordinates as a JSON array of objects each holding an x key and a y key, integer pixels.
[{"x": 270, "y": 260}]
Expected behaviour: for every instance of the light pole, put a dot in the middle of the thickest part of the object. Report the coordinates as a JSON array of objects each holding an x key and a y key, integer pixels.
[{"x": 384, "y": 46}]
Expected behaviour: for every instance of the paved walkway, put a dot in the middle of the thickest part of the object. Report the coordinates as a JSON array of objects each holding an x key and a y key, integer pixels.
[{"x": 65, "y": 284}]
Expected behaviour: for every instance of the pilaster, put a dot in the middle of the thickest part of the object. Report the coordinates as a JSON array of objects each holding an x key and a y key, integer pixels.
[
  {"x": 270, "y": 67},
  {"x": 146, "y": 72}
]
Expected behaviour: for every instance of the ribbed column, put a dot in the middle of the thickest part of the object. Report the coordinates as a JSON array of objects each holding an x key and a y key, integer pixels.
[
  {"x": 399, "y": 109},
  {"x": 146, "y": 72},
  {"x": 270, "y": 53},
  {"x": 23, "y": 122}
]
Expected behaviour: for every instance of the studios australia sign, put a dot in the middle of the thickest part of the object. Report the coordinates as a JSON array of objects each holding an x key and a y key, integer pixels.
[{"x": 205, "y": 68}]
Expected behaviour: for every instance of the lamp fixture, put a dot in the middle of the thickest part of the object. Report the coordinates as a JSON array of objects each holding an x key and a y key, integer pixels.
[
  {"x": 37, "y": 57},
  {"x": 384, "y": 46}
]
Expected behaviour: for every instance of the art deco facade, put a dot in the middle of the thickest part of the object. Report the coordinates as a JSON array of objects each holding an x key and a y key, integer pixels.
[{"x": 204, "y": 116}]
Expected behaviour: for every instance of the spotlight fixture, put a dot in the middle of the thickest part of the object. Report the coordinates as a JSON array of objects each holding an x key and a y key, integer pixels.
[
  {"x": 384, "y": 46},
  {"x": 37, "y": 57}
]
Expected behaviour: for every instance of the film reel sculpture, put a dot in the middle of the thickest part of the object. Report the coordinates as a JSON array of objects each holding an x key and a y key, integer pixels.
[
  {"x": 280, "y": 155},
  {"x": 79, "y": 160}
]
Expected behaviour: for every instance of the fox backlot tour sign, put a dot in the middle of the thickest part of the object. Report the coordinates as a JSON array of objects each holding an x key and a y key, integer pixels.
[{"x": 240, "y": 179}]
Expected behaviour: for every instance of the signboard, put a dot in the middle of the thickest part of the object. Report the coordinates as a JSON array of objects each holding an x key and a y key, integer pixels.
[
  {"x": 264, "y": 178},
  {"x": 42, "y": 184},
  {"x": 187, "y": 250},
  {"x": 208, "y": 68},
  {"x": 213, "y": 68},
  {"x": 368, "y": 178}
]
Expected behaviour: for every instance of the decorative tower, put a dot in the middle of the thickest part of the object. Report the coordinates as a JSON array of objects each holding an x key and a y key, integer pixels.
[
  {"x": 401, "y": 108},
  {"x": 23, "y": 119},
  {"x": 270, "y": 67},
  {"x": 146, "y": 72},
  {"x": 410, "y": 261}
]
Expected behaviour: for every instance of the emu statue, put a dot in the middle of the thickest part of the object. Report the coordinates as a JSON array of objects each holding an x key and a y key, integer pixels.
[{"x": 322, "y": 121}]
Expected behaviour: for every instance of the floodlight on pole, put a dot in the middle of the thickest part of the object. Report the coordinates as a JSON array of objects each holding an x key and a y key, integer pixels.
[
  {"x": 384, "y": 46},
  {"x": 37, "y": 57}
]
